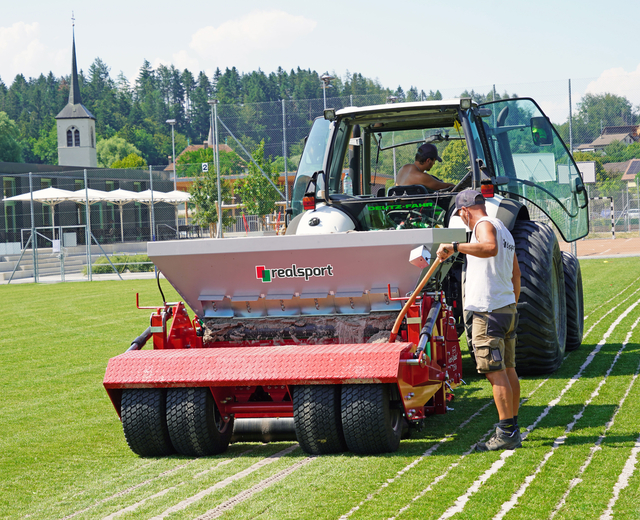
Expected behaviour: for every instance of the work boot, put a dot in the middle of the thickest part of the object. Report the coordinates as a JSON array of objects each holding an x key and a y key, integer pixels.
[{"x": 501, "y": 440}]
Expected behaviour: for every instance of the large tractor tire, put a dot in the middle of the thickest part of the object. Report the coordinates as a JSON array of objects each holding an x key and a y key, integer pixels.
[
  {"x": 542, "y": 329},
  {"x": 144, "y": 422},
  {"x": 195, "y": 425},
  {"x": 317, "y": 419},
  {"x": 372, "y": 421},
  {"x": 575, "y": 301}
]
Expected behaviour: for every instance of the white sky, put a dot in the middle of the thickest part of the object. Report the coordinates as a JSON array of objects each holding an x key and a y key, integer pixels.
[{"x": 531, "y": 48}]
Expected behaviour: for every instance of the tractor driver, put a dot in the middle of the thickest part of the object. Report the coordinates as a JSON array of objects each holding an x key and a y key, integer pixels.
[{"x": 416, "y": 173}]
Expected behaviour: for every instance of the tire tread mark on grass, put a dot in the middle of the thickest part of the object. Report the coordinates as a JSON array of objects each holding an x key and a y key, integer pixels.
[
  {"x": 137, "y": 486},
  {"x": 464, "y": 498},
  {"x": 223, "y": 483},
  {"x": 248, "y": 493},
  {"x": 130, "y": 489},
  {"x": 510, "y": 504},
  {"x": 135, "y": 506},
  {"x": 596, "y": 447}
]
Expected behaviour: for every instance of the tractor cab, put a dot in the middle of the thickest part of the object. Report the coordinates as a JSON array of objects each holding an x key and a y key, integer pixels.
[{"x": 507, "y": 148}]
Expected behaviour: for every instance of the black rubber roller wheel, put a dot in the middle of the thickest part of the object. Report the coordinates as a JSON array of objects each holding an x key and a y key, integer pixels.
[
  {"x": 317, "y": 419},
  {"x": 575, "y": 301},
  {"x": 195, "y": 425},
  {"x": 371, "y": 421},
  {"x": 542, "y": 329},
  {"x": 144, "y": 422}
]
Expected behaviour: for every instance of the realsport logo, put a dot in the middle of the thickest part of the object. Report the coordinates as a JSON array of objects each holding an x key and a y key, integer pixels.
[{"x": 268, "y": 275}]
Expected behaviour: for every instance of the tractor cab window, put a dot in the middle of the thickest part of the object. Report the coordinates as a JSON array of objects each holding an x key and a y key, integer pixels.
[{"x": 526, "y": 149}]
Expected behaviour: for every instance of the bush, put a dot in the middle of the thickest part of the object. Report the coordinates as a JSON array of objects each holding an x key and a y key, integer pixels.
[{"x": 122, "y": 262}]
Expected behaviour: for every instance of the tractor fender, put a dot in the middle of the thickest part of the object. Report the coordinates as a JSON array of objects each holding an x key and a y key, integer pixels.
[{"x": 508, "y": 211}]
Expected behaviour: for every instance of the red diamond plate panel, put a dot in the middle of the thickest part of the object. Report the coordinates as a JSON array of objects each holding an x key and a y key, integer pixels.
[{"x": 278, "y": 365}]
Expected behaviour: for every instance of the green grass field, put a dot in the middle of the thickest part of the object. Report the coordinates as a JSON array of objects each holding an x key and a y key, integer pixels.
[{"x": 63, "y": 454}]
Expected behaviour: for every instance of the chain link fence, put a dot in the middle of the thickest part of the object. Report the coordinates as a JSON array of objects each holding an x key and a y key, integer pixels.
[{"x": 260, "y": 146}]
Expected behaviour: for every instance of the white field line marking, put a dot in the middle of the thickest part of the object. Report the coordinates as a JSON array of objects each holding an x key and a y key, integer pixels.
[
  {"x": 463, "y": 499},
  {"x": 245, "y": 495},
  {"x": 414, "y": 463},
  {"x": 623, "y": 480},
  {"x": 614, "y": 297},
  {"x": 130, "y": 489},
  {"x": 605, "y": 251},
  {"x": 596, "y": 447},
  {"x": 411, "y": 465},
  {"x": 223, "y": 483},
  {"x": 606, "y": 314},
  {"x": 431, "y": 450},
  {"x": 510, "y": 504},
  {"x": 135, "y": 506}
]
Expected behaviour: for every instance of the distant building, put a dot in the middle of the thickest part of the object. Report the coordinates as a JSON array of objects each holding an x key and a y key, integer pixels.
[
  {"x": 76, "y": 126},
  {"x": 624, "y": 134}
]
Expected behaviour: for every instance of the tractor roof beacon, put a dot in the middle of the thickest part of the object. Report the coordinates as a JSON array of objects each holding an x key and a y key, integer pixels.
[{"x": 326, "y": 334}]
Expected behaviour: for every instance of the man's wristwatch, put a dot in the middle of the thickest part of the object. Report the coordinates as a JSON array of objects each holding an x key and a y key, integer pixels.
[{"x": 455, "y": 246}]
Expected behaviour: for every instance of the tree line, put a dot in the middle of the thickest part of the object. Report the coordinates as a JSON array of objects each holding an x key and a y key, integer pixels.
[{"x": 137, "y": 112}]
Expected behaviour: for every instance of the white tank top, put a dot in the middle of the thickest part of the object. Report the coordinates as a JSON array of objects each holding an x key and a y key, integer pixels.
[{"x": 488, "y": 283}]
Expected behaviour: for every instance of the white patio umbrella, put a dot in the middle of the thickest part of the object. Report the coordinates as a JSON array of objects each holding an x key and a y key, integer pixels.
[
  {"x": 121, "y": 197},
  {"x": 80, "y": 196},
  {"x": 173, "y": 197},
  {"x": 49, "y": 196}
]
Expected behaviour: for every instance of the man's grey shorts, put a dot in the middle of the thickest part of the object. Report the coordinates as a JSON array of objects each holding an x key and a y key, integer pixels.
[{"x": 494, "y": 339}]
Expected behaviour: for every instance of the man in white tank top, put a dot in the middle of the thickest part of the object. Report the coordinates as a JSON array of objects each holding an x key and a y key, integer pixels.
[{"x": 491, "y": 292}]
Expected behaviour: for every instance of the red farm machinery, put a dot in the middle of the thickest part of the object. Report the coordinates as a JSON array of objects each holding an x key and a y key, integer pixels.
[{"x": 288, "y": 343}]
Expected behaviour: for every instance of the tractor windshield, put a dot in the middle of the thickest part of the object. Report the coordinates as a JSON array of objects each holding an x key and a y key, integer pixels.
[
  {"x": 312, "y": 160},
  {"x": 526, "y": 149}
]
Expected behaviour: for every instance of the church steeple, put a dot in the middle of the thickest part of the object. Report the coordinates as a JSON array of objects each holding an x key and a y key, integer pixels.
[
  {"x": 74, "y": 88},
  {"x": 75, "y": 124}
]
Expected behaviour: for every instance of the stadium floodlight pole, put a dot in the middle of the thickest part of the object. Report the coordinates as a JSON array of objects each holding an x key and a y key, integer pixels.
[
  {"x": 214, "y": 108},
  {"x": 172, "y": 122},
  {"x": 326, "y": 79}
]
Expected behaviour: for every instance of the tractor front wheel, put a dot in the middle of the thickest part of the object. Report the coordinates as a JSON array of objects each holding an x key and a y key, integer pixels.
[{"x": 542, "y": 310}]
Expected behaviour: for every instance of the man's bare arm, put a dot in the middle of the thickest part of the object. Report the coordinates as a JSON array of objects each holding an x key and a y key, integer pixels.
[{"x": 515, "y": 279}]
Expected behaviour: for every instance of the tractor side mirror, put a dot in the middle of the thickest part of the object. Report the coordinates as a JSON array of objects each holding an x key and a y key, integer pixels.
[{"x": 541, "y": 131}]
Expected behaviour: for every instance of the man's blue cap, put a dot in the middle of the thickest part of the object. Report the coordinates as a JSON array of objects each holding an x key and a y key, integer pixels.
[{"x": 467, "y": 198}]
